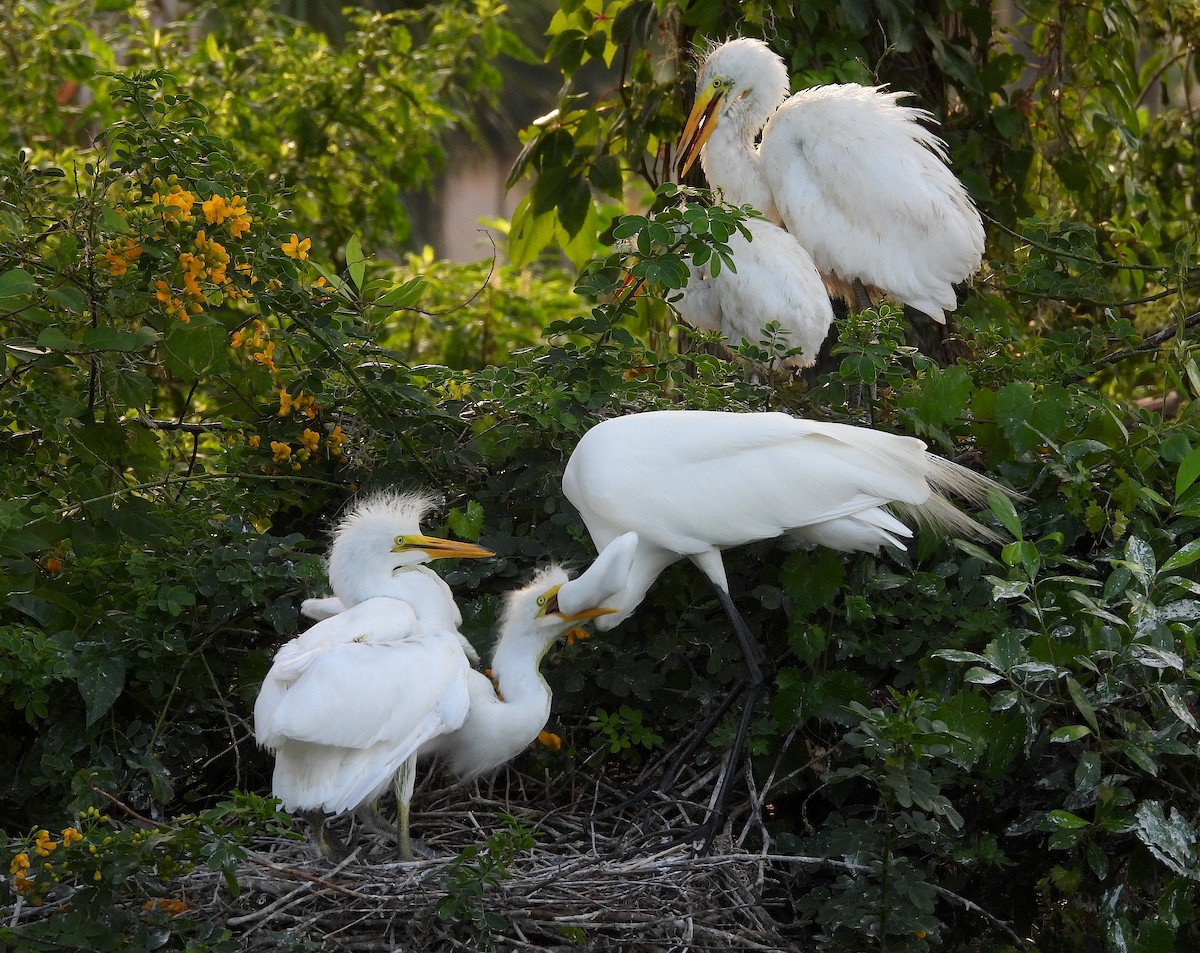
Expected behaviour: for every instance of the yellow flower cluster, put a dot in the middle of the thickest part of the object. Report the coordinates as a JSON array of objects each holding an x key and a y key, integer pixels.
[
  {"x": 217, "y": 211},
  {"x": 121, "y": 255},
  {"x": 550, "y": 740},
  {"x": 175, "y": 307},
  {"x": 301, "y": 402},
  {"x": 173, "y": 907},
  {"x": 210, "y": 261},
  {"x": 25, "y": 882},
  {"x": 259, "y": 340},
  {"x": 310, "y": 445},
  {"x": 177, "y": 202}
]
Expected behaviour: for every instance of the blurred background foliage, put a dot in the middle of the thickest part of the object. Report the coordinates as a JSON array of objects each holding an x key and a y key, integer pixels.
[{"x": 217, "y": 328}]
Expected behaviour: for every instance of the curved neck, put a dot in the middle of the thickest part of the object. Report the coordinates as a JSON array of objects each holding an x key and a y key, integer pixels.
[{"x": 525, "y": 692}]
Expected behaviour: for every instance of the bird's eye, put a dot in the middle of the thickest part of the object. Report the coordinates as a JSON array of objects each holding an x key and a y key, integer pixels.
[{"x": 541, "y": 600}]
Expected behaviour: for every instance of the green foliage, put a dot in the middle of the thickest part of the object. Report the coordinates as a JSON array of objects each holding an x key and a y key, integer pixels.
[
  {"x": 478, "y": 870},
  {"x": 213, "y": 336},
  {"x": 622, "y": 732},
  {"x": 114, "y": 880}
]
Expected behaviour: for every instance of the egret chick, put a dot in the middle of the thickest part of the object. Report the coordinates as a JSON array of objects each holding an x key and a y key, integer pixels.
[
  {"x": 773, "y": 279},
  {"x": 856, "y": 177},
  {"x": 378, "y": 550}
]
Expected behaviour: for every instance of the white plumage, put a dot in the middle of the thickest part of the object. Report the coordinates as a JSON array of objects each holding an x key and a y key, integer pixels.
[
  {"x": 856, "y": 177},
  {"x": 350, "y": 705},
  {"x": 694, "y": 482},
  {"x": 378, "y": 550},
  {"x": 774, "y": 280}
]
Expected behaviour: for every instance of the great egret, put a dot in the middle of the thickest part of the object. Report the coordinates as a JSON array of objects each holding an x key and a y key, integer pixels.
[
  {"x": 378, "y": 550},
  {"x": 350, "y": 706},
  {"x": 774, "y": 280},
  {"x": 856, "y": 177},
  {"x": 693, "y": 483}
]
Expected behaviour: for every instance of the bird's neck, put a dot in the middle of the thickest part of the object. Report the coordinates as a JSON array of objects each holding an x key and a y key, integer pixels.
[
  {"x": 354, "y": 581},
  {"x": 731, "y": 163},
  {"x": 525, "y": 692}
]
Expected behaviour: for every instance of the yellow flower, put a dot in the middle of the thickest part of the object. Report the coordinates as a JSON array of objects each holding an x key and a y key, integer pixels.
[
  {"x": 281, "y": 450},
  {"x": 20, "y": 862},
  {"x": 23, "y": 883},
  {"x": 336, "y": 438},
  {"x": 310, "y": 439},
  {"x": 296, "y": 248},
  {"x": 45, "y": 844},
  {"x": 265, "y": 357},
  {"x": 285, "y": 402},
  {"x": 550, "y": 740},
  {"x": 178, "y": 202},
  {"x": 120, "y": 255},
  {"x": 255, "y": 440},
  {"x": 70, "y": 836}
]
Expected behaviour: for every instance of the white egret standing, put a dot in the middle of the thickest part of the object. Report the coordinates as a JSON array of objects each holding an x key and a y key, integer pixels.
[
  {"x": 693, "y": 483},
  {"x": 852, "y": 174},
  {"x": 370, "y": 691},
  {"x": 388, "y": 523},
  {"x": 774, "y": 280}
]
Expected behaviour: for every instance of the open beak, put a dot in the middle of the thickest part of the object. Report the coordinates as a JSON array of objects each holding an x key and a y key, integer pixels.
[
  {"x": 437, "y": 548},
  {"x": 700, "y": 125}
]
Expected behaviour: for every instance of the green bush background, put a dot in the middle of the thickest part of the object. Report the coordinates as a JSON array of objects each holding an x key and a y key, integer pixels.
[{"x": 1015, "y": 726}]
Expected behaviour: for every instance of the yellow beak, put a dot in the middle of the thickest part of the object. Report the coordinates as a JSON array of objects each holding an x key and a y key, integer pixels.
[
  {"x": 437, "y": 548},
  {"x": 587, "y": 614},
  {"x": 699, "y": 126}
]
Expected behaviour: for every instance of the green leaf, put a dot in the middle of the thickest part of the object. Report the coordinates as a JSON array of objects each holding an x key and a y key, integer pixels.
[
  {"x": 1189, "y": 470},
  {"x": 101, "y": 679},
  {"x": 1172, "y": 839},
  {"x": 356, "y": 261},
  {"x": 1081, "y": 702},
  {"x": 16, "y": 283},
  {"x": 192, "y": 349},
  {"x": 403, "y": 295},
  {"x": 1065, "y": 820},
  {"x": 54, "y": 339},
  {"x": 118, "y": 339},
  {"x": 1002, "y": 507},
  {"x": 1185, "y": 556},
  {"x": 1177, "y": 700},
  {"x": 467, "y": 523},
  {"x": 69, "y": 297},
  {"x": 1070, "y": 733},
  {"x": 981, "y": 676}
]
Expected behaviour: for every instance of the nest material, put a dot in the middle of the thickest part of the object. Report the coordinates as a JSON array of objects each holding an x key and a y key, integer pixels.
[{"x": 586, "y": 886}]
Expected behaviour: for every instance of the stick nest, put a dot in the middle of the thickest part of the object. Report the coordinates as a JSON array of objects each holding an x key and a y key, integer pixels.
[{"x": 583, "y": 886}]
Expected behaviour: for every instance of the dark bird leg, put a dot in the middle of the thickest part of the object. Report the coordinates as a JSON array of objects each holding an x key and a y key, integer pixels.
[
  {"x": 745, "y": 688},
  {"x": 329, "y": 845},
  {"x": 862, "y": 300}
]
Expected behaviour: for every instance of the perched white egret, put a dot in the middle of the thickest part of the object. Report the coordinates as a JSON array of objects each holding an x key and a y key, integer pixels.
[
  {"x": 378, "y": 550},
  {"x": 693, "y": 483},
  {"x": 774, "y": 279},
  {"x": 350, "y": 706},
  {"x": 856, "y": 177}
]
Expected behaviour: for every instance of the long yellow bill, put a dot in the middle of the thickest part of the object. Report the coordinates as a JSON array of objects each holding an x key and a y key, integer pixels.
[
  {"x": 586, "y": 614},
  {"x": 699, "y": 126},
  {"x": 437, "y": 548}
]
